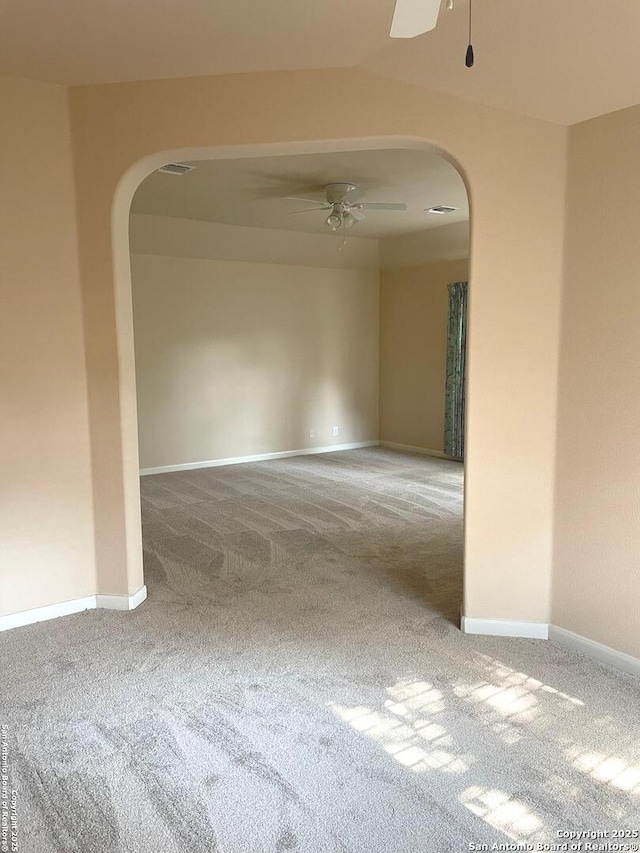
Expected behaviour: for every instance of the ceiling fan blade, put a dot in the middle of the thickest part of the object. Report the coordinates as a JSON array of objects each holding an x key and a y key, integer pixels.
[
  {"x": 307, "y": 210},
  {"x": 413, "y": 17},
  {"x": 357, "y": 214},
  {"x": 307, "y": 200},
  {"x": 382, "y": 205}
]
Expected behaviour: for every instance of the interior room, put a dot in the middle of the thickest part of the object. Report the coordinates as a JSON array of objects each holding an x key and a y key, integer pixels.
[
  {"x": 256, "y": 323},
  {"x": 266, "y": 331},
  {"x": 318, "y": 526}
]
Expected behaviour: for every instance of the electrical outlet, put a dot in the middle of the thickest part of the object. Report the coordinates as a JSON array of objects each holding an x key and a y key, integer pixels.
[
  {"x": 335, "y": 430},
  {"x": 312, "y": 433}
]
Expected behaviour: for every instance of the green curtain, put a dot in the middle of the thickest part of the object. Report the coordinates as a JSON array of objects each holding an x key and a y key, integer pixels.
[{"x": 455, "y": 389}]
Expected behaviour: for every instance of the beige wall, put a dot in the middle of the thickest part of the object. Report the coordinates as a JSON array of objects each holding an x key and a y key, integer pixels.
[
  {"x": 515, "y": 168},
  {"x": 596, "y": 585},
  {"x": 236, "y": 358},
  {"x": 414, "y": 308},
  {"x": 47, "y": 547},
  {"x": 444, "y": 243}
]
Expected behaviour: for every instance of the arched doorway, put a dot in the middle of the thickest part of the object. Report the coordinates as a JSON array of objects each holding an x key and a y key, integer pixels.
[{"x": 123, "y": 280}]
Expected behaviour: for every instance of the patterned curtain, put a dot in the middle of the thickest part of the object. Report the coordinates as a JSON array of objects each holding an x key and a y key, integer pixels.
[{"x": 455, "y": 388}]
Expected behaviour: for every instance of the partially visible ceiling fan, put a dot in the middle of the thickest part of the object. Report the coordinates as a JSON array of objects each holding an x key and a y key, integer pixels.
[
  {"x": 343, "y": 206},
  {"x": 412, "y": 18}
]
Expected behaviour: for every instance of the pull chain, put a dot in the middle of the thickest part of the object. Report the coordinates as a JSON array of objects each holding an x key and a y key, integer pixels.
[{"x": 468, "y": 60}]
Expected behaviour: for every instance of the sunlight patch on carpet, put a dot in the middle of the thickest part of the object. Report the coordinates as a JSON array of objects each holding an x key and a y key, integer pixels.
[{"x": 404, "y": 732}]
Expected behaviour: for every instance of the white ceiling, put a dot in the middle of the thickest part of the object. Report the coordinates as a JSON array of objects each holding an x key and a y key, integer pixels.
[
  {"x": 95, "y": 41},
  {"x": 253, "y": 191},
  {"x": 560, "y": 60}
]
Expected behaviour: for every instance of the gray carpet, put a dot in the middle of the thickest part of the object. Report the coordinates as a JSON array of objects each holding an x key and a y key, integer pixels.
[{"x": 296, "y": 681}]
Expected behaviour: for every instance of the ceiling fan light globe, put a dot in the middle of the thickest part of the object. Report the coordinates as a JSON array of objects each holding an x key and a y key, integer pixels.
[{"x": 334, "y": 221}]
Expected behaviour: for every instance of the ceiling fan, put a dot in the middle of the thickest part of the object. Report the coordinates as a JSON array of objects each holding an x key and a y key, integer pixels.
[
  {"x": 412, "y": 18},
  {"x": 343, "y": 206}
]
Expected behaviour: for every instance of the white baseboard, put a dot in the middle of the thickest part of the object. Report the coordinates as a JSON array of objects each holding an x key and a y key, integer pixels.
[
  {"x": 50, "y": 611},
  {"x": 560, "y": 636},
  {"x": 504, "y": 628},
  {"x": 77, "y": 605},
  {"x": 260, "y": 457},
  {"x": 409, "y": 448},
  {"x": 121, "y": 602},
  {"x": 597, "y": 651}
]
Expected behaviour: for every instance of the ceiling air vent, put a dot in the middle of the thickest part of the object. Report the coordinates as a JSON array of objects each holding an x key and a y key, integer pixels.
[
  {"x": 176, "y": 169},
  {"x": 441, "y": 209}
]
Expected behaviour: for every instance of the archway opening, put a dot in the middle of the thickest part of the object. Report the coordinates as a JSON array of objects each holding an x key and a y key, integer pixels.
[{"x": 301, "y": 355}]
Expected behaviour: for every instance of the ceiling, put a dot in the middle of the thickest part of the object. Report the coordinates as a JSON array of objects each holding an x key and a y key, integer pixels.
[
  {"x": 253, "y": 191},
  {"x": 96, "y": 41},
  {"x": 560, "y": 60}
]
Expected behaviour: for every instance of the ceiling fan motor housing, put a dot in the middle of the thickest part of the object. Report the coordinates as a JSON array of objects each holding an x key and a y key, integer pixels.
[{"x": 336, "y": 192}]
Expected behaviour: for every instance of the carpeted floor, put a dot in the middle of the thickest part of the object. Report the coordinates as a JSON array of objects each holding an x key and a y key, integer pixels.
[{"x": 296, "y": 681}]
